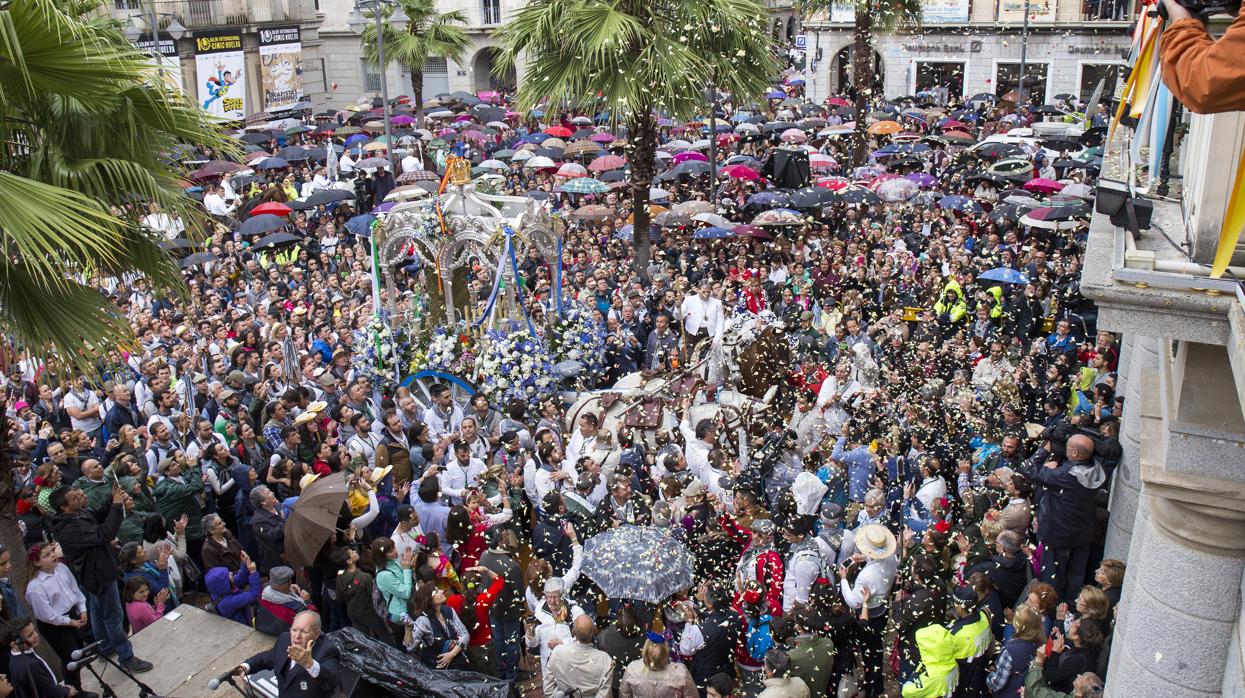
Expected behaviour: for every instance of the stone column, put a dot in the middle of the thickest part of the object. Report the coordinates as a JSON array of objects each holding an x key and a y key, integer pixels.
[{"x": 1138, "y": 374}]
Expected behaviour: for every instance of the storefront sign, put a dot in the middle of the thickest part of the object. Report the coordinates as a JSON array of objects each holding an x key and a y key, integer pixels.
[
  {"x": 1013, "y": 11},
  {"x": 220, "y": 69},
  {"x": 281, "y": 67},
  {"x": 935, "y": 48},
  {"x": 944, "y": 11}
]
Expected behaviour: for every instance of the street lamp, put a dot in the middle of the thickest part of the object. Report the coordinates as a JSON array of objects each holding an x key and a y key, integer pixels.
[
  {"x": 357, "y": 22},
  {"x": 396, "y": 19},
  {"x": 134, "y": 31}
]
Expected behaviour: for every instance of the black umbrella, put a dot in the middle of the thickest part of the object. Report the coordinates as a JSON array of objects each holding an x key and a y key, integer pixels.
[
  {"x": 1061, "y": 144},
  {"x": 858, "y": 196},
  {"x": 273, "y": 163},
  {"x": 276, "y": 239},
  {"x": 292, "y": 152},
  {"x": 551, "y": 153},
  {"x": 300, "y": 205},
  {"x": 1049, "y": 109},
  {"x": 811, "y": 197},
  {"x": 328, "y": 196},
  {"x": 486, "y": 113},
  {"x": 245, "y": 180},
  {"x": 983, "y": 97},
  {"x": 612, "y": 176},
  {"x": 263, "y": 223},
  {"x": 997, "y": 151},
  {"x": 1009, "y": 212},
  {"x": 691, "y": 167},
  {"x": 198, "y": 258},
  {"x": 1094, "y": 136}
]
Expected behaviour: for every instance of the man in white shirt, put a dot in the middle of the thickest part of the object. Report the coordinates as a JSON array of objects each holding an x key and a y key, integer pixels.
[
  {"x": 410, "y": 163},
  {"x": 552, "y": 622},
  {"x": 363, "y": 443},
  {"x": 82, "y": 404},
  {"x": 702, "y": 316},
  {"x": 587, "y": 440},
  {"x": 214, "y": 202},
  {"x": 698, "y": 443},
  {"x": 933, "y": 487},
  {"x": 460, "y": 473},
  {"x": 443, "y": 417},
  {"x": 868, "y": 598},
  {"x": 162, "y": 222}
]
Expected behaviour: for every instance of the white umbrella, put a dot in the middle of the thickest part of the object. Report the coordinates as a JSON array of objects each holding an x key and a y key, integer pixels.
[
  {"x": 539, "y": 162},
  {"x": 747, "y": 128},
  {"x": 523, "y": 155},
  {"x": 494, "y": 165},
  {"x": 714, "y": 220}
]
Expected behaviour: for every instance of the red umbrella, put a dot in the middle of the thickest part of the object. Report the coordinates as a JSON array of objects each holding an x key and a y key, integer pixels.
[
  {"x": 834, "y": 183},
  {"x": 276, "y": 208},
  {"x": 755, "y": 231},
  {"x": 838, "y": 102},
  {"x": 558, "y": 131},
  {"x": 741, "y": 172}
]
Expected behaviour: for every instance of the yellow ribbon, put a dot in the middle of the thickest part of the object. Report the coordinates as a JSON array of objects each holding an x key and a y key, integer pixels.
[{"x": 1233, "y": 223}]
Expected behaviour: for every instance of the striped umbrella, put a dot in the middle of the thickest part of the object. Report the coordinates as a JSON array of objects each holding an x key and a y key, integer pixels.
[{"x": 585, "y": 185}]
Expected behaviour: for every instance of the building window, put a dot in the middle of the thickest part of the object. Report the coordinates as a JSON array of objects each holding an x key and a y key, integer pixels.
[
  {"x": 371, "y": 77},
  {"x": 941, "y": 80},
  {"x": 1007, "y": 79},
  {"x": 436, "y": 77},
  {"x": 1092, "y": 74},
  {"x": 490, "y": 11}
]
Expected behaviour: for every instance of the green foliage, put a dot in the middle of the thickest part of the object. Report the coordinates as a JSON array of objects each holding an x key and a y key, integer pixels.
[
  {"x": 85, "y": 128},
  {"x": 428, "y": 34}
]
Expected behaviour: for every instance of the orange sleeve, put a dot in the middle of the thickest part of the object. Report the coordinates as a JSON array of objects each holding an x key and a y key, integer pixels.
[{"x": 1206, "y": 75}]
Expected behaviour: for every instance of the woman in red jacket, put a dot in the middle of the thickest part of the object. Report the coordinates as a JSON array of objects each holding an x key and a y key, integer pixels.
[{"x": 473, "y": 608}]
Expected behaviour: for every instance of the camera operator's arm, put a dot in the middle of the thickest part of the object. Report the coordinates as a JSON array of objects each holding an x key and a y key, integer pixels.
[{"x": 1206, "y": 75}]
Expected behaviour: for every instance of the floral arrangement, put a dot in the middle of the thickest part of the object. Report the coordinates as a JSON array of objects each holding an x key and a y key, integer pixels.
[
  {"x": 381, "y": 353},
  {"x": 577, "y": 336},
  {"x": 449, "y": 350},
  {"x": 515, "y": 365}
]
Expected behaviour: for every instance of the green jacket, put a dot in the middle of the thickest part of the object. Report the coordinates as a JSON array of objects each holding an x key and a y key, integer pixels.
[
  {"x": 812, "y": 659},
  {"x": 1035, "y": 683},
  {"x": 131, "y": 530},
  {"x": 973, "y": 639},
  {"x": 175, "y": 498},
  {"x": 954, "y": 310},
  {"x": 396, "y": 588},
  {"x": 97, "y": 492}
]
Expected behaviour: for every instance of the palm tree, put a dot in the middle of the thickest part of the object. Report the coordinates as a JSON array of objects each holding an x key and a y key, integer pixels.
[
  {"x": 638, "y": 58},
  {"x": 86, "y": 128},
  {"x": 428, "y": 33},
  {"x": 872, "y": 16}
]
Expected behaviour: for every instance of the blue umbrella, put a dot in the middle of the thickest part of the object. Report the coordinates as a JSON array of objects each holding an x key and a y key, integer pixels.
[
  {"x": 358, "y": 138},
  {"x": 361, "y": 225},
  {"x": 272, "y": 164},
  {"x": 963, "y": 204},
  {"x": 538, "y": 137},
  {"x": 740, "y": 116},
  {"x": 1004, "y": 275},
  {"x": 627, "y": 233},
  {"x": 712, "y": 233},
  {"x": 768, "y": 198},
  {"x": 775, "y": 94}
]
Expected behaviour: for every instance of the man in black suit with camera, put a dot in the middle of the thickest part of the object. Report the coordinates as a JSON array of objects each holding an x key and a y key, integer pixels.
[{"x": 305, "y": 663}]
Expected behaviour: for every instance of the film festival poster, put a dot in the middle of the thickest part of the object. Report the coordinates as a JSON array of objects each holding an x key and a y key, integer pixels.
[
  {"x": 164, "y": 58},
  {"x": 220, "y": 69},
  {"x": 281, "y": 67}
]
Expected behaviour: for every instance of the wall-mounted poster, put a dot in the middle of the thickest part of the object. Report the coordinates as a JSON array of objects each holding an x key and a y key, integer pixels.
[
  {"x": 281, "y": 67},
  {"x": 220, "y": 70},
  {"x": 164, "y": 57}
]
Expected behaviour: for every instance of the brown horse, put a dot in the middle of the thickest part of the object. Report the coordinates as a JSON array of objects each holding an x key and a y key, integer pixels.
[{"x": 764, "y": 363}]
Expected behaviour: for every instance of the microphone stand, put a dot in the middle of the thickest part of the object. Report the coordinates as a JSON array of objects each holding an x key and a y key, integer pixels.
[
  {"x": 144, "y": 691},
  {"x": 248, "y": 693},
  {"x": 107, "y": 690}
]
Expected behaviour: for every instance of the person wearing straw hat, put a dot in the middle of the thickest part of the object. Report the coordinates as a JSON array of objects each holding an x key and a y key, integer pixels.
[{"x": 867, "y": 596}]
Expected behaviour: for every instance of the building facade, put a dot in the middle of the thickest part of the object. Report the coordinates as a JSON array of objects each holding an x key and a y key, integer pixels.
[
  {"x": 972, "y": 46},
  {"x": 350, "y": 77},
  {"x": 1177, "y": 509},
  {"x": 273, "y": 45}
]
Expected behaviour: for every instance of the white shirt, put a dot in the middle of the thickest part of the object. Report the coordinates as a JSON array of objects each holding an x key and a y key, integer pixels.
[
  {"x": 364, "y": 445},
  {"x": 701, "y": 314},
  {"x": 163, "y": 223},
  {"x": 455, "y": 478},
  {"x": 549, "y": 629},
  {"x": 88, "y": 402},
  {"x": 877, "y": 576},
  {"x": 438, "y": 425},
  {"x": 696, "y": 453},
  {"x": 802, "y": 571},
  {"x": 406, "y": 540},
  {"x": 931, "y": 488},
  {"x": 411, "y": 164},
  {"x": 215, "y": 205}
]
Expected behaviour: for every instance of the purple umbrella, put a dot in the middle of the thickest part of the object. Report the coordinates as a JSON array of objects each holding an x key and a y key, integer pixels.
[
  {"x": 684, "y": 157},
  {"x": 922, "y": 179},
  {"x": 384, "y": 207},
  {"x": 602, "y": 138}
]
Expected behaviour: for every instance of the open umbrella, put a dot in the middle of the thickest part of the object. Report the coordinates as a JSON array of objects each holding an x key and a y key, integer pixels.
[
  {"x": 276, "y": 239},
  {"x": 1003, "y": 275},
  {"x": 275, "y": 208},
  {"x": 313, "y": 519},
  {"x": 820, "y": 162},
  {"x": 712, "y": 233},
  {"x": 643, "y": 563},
  {"x": 740, "y": 172},
  {"x": 593, "y": 213},
  {"x": 328, "y": 196},
  {"x": 959, "y": 203},
  {"x": 539, "y": 162},
  {"x": 265, "y": 223},
  {"x": 858, "y": 195},
  {"x": 419, "y": 176},
  {"x": 754, "y": 231},
  {"x": 585, "y": 185},
  {"x": 1043, "y": 186},
  {"x": 768, "y": 199},
  {"x": 571, "y": 170},
  {"x": 713, "y": 219},
  {"x": 882, "y": 128},
  {"x": 692, "y": 208},
  {"x": 922, "y": 179},
  {"x": 272, "y": 163},
  {"x": 778, "y": 216},
  {"x": 899, "y": 189},
  {"x": 361, "y": 225},
  {"x": 198, "y": 258},
  {"x": 607, "y": 162},
  {"x": 558, "y": 131},
  {"x": 1048, "y": 218},
  {"x": 672, "y": 219},
  {"x": 811, "y": 197}
]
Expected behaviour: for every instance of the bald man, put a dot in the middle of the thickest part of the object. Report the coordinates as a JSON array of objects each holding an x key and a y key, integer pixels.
[
  {"x": 1066, "y": 496},
  {"x": 304, "y": 661},
  {"x": 578, "y": 668}
]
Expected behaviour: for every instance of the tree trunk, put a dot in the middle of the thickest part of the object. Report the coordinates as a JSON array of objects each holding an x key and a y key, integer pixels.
[
  {"x": 417, "y": 91},
  {"x": 862, "y": 77},
  {"x": 10, "y": 533},
  {"x": 643, "y": 127}
]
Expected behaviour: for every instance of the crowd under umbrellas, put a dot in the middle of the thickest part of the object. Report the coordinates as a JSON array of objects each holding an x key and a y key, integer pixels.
[{"x": 927, "y": 295}]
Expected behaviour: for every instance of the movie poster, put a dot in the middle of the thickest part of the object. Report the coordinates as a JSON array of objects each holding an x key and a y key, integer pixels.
[
  {"x": 220, "y": 70},
  {"x": 281, "y": 67}
]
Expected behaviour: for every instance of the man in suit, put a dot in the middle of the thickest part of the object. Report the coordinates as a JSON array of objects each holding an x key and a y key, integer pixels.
[{"x": 304, "y": 663}]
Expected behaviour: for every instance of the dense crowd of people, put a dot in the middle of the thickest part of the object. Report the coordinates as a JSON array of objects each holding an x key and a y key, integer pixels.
[{"x": 921, "y": 512}]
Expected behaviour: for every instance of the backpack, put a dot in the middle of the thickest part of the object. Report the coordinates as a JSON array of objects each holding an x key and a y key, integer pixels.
[
  {"x": 759, "y": 638},
  {"x": 380, "y": 604}
]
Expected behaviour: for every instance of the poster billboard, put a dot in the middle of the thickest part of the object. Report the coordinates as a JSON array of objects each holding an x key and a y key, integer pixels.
[
  {"x": 1013, "y": 11},
  {"x": 220, "y": 71},
  {"x": 163, "y": 51},
  {"x": 281, "y": 67},
  {"x": 944, "y": 11}
]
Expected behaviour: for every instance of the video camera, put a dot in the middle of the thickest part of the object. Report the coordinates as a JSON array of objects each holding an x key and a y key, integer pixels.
[{"x": 1203, "y": 9}]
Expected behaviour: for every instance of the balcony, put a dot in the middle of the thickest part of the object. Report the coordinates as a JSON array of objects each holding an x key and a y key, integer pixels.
[{"x": 199, "y": 15}]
